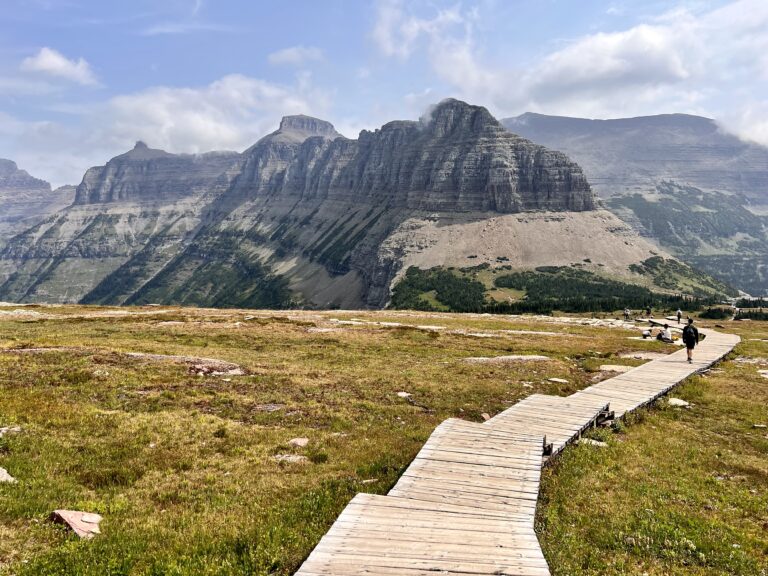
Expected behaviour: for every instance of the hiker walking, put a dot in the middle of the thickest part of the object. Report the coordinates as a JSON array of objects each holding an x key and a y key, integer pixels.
[
  {"x": 627, "y": 314},
  {"x": 679, "y": 315},
  {"x": 648, "y": 312},
  {"x": 690, "y": 338}
]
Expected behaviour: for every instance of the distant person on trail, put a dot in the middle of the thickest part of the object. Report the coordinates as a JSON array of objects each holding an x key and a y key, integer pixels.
[
  {"x": 627, "y": 314},
  {"x": 679, "y": 315},
  {"x": 648, "y": 312},
  {"x": 690, "y": 338}
]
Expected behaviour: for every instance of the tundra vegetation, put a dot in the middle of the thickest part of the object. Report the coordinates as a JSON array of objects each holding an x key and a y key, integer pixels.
[{"x": 195, "y": 473}]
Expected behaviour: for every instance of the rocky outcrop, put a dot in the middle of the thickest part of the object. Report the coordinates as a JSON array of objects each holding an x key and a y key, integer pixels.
[
  {"x": 148, "y": 175},
  {"x": 458, "y": 159},
  {"x": 26, "y": 200},
  {"x": 308, "y": 217}
]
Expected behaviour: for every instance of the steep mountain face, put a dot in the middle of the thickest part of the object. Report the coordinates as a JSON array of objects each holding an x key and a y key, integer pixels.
[
  {"x": 680, "y": 180},
  {"x": 308, "y": 217},
  {"x": 25, "y": 199}
]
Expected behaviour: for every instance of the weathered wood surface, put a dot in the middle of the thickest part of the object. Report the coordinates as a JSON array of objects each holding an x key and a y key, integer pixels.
[{"x": 467, "y": 502}]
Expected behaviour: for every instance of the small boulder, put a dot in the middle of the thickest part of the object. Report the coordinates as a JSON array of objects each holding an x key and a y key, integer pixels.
[
  {"x": 9, "y": 430},
  {"x": 760, "y": 426},
  {"x": 485, "y": 416},
  {"x": 290, "y": 458},
  {"x": 591, "y": 442},
  {"x": 84, "y": 524},
  {"x": 299, "y": 442},
  {"x": 616, "y": 368},
  {"x": 678, "y": 403},
  {"x": 404, "y": 394},
  {"x": 5, "y": 477}
]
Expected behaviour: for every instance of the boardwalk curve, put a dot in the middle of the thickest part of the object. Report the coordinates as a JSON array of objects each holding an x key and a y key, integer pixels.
[{"x": 467, "y": 502}]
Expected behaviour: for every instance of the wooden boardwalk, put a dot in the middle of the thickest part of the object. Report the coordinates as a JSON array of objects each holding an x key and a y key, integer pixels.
[{"x": 466, "y": 504}]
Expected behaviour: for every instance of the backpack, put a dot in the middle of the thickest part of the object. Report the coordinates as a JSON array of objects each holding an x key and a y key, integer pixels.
[{"x": 690, "y": 334}]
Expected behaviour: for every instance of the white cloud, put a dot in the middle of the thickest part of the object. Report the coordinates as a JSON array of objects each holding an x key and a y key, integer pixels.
[
  {"x": 684, "y": 60},
  {"x": 229, "y": 114},
  {"x": 52, "y": 63},
  {"x": 178, "y": 28},
  {"x": 296, "y": 56},
  {"x": 396, "y": 31}
]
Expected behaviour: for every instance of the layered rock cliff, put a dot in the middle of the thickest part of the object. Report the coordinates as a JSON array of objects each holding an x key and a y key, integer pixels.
[
  {"x": 308, "y": 217},
  {"x": 25, "y": 200}
]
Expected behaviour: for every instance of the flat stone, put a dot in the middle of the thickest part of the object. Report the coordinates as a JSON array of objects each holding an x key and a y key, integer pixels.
[
  {"x": 9, "y": 430},
  {"x": 761, "y": 426},
  {"x": 763, "y": 373},
  {"x": 616, "y": 368},
  {"x": 84, "y": 524},
  {"x": 404, "y": 394},
  {"x": 269, "y": 407},
  {"x": 677, "y": 402},
  {"x": 485, "y": 416},
  {"x": 591, "y": 442},
  {"x": 290, "y": 458},
  {"x": 505, "y": 359},
  {"x": 558, "y": 380},
  {"x": 299, "y": 442},
  {"x": 643, "y": 355},
  {"x": 5, "y": 477}
]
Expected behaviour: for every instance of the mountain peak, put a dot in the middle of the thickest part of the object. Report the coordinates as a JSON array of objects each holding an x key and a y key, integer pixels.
[
  {"x": 141, "y": 145},
  {"x": 451, "y": 115},
  {"x": 307, "y": 125}
]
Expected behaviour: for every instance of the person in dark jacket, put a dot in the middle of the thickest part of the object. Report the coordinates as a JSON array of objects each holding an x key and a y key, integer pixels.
[{"x": 690, "y": 338}]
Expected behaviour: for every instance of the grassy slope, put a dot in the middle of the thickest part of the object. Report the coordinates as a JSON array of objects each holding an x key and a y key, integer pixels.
[
  {"x": 181, "y": 467},
  {"x": 679, "y": 491}
]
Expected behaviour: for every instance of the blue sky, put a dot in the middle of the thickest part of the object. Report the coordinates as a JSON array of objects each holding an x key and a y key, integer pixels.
[{"x": 81, "y": 80}]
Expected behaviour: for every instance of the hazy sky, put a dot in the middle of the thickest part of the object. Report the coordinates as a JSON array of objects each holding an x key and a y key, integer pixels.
[{"x": 81, "y": 80}]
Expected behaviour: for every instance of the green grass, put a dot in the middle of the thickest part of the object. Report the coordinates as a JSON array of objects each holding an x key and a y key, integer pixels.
[
  {"x": 677, "y": 491},
  {"x": 182, "y": 469}
]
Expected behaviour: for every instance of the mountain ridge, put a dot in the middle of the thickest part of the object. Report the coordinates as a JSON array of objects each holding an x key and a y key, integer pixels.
[{"x": 308, "y": 217}]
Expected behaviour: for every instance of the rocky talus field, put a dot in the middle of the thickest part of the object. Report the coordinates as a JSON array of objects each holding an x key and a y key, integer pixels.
[{"x": 214, "y": 441}]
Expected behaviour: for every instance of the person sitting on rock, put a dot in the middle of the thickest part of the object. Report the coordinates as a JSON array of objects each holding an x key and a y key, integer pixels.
[{"x": 665, "y": 335}]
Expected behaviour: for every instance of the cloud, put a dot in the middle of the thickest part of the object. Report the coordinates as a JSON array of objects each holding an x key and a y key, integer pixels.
[
  {"x": 397, "y": 31},
  {"x": 295, "y": 56},
  {"x": 178, "y": 28},
  {"x": 230, "y": 113},
  {"x": 700, "y": 61},
  {"x": 52, "y": 63}
]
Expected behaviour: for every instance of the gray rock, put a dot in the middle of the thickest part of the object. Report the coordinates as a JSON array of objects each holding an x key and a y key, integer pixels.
[
  {"x": 591, "y": 442},
  {"x": 299, "y": 442},
  {"x": 558, "y": 380},
  {"x": 291, "y": 458},
  {"x": 9, "y": 430},
  {"x": 678, "y": 403},
  {"x": 6, "y": 477}
]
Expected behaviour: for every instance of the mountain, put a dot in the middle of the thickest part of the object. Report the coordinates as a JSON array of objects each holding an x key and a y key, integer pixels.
[
  {"x": 625, "y": 154},
  {"x": 25, "y": 199},
  {"x": 308, "y": 217},
  {"x": 680, "y": 180}
]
